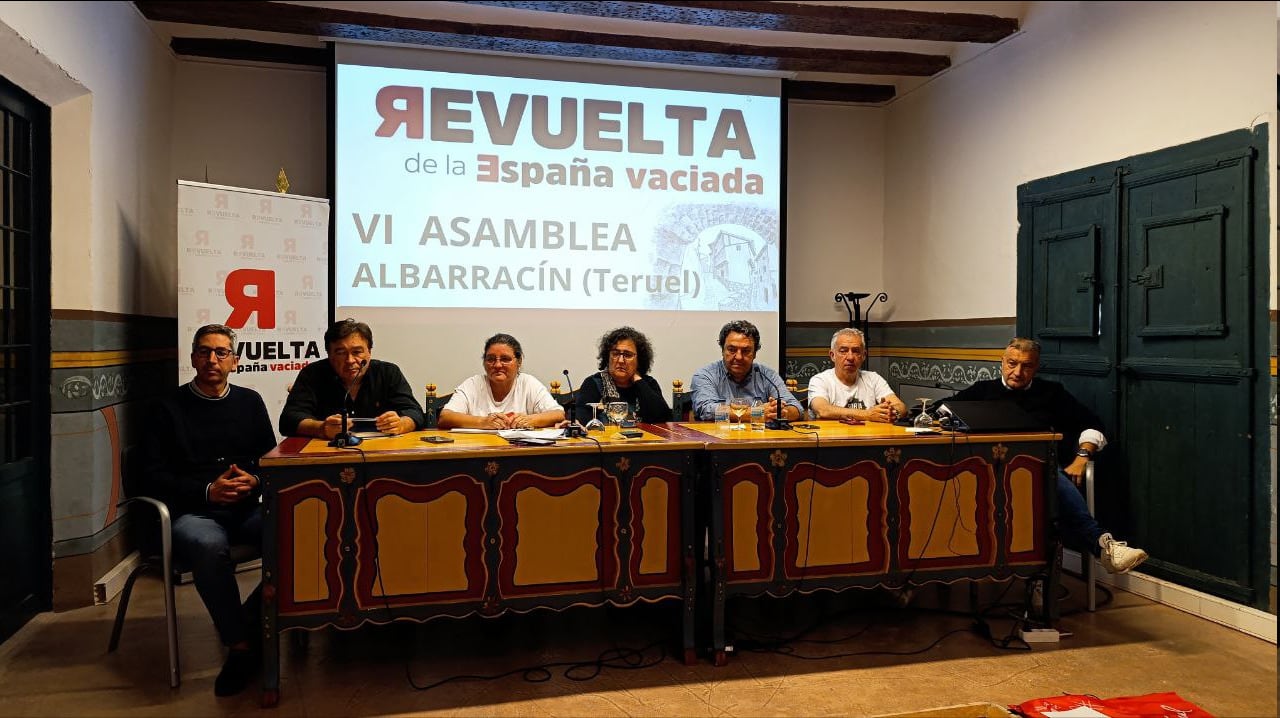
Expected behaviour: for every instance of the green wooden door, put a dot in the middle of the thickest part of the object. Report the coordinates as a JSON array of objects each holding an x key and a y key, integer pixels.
[
  {"x": 1186, "y": 372},
  {"x": 1070, "y": 240},
  {"x": 1145, "y": 281},
  {"x": 26, "y": 582}
]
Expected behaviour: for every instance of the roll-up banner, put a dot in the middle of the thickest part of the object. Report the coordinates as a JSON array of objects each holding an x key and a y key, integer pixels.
[{"x": 258, "y": 262}]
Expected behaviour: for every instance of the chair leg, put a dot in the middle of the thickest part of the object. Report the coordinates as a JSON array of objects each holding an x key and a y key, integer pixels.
[
  {"x": 1086, "y": 559},
  {"x": 171, "y": 614},
  {"x": 123, "y": 606}
]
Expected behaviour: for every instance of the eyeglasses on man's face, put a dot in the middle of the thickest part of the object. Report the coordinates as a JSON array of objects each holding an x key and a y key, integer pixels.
[{"x": 220, "y": 352}]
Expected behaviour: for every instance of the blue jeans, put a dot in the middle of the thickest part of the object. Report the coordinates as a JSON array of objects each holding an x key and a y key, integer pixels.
[
  {"x": 1077, "y": 528},
  {"x": 202, "y": 542}
]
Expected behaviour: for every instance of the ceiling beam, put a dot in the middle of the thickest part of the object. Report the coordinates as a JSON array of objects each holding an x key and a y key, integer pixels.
[
  {"x": 356, "y": 25},
  {"x": 790, "y": 17},
  {"x": 838, "y": 91},
  {"x": 248, "y": 50}
]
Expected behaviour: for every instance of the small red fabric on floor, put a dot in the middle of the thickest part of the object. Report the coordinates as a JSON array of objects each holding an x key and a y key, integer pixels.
[{"x": 1152, "y": 705}]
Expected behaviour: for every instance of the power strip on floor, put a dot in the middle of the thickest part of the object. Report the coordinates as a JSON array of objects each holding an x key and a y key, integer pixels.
[{"x": 1040, "y": 635}]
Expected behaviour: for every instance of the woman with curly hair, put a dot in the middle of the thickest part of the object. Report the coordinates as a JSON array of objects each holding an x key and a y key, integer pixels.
[{"x": 626, "y": 356}]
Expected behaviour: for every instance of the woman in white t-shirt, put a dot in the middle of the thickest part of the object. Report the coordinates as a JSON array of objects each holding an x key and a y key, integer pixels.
[{"x": 501, "y": 397}]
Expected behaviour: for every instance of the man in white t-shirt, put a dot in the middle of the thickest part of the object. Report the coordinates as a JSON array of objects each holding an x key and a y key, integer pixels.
[{"x": 846, "y": 392}]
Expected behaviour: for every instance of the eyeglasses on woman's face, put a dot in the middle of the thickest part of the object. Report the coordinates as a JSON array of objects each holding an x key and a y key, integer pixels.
[{"x": 622, "y": 354}]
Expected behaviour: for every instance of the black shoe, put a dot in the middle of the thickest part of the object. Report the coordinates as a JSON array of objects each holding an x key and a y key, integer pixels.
[{"x": 236, "y": 672}]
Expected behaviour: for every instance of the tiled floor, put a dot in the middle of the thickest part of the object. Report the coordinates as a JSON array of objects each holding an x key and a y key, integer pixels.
[{"x": 57, "y": 665}]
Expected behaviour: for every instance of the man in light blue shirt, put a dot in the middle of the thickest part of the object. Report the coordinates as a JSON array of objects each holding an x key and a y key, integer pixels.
[{"x": 738, "y": 375}]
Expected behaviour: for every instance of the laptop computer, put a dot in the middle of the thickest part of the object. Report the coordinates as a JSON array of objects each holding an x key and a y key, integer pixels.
[{"x": 988, "y": 416}]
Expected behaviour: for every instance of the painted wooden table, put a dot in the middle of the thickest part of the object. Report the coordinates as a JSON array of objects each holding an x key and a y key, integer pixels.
[
  {"x": 403, "y": 529},
  {"x": 838, "y": 506}
]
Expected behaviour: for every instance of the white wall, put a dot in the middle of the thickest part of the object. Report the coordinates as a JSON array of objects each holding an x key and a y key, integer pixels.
[
  {"x": 1083, "y": 83},
  {"x": 108, "y": 81},
  {"x": 278, "y": 121},
  {"x": 113, "y": 201},
  {"x": 835, "y": 207}
]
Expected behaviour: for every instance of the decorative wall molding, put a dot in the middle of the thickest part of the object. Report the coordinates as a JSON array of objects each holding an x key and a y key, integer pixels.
[
  {"x": 957, "y": 353},
  {"x": 803, "y": 364},
  {"x": 802, "y": 369},
  {"x": 92, "y": 388},
  {"x": 928, "y": 372}
]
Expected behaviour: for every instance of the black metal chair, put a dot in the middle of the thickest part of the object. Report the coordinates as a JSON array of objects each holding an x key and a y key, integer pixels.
[{"x": 1088, "y": 564}]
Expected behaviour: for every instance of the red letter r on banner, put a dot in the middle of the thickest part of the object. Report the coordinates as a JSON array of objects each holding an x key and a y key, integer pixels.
[{"x": 244, "y": 305}]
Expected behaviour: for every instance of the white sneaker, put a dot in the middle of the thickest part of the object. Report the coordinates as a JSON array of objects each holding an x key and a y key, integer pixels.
[{"x": 1117, "y": 556}]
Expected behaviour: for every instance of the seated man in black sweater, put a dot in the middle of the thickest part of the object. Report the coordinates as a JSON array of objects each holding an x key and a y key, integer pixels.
[
  {"x": 198, "y": 458},
  {"x": 1082, "y": 436}
]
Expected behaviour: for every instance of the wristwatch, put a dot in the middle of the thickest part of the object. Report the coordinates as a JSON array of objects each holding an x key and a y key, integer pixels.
[{"x": 1084, "y": 452}]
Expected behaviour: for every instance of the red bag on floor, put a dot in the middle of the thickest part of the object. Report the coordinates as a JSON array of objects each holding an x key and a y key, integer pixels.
[{"x": 1152, "y": 705}]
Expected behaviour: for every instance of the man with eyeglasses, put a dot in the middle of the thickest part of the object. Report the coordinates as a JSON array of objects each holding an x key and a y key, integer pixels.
[
  {"x": 738, "y": 376},
  {"x": 369, "y": 387},
  {"x": 198, "y": 457},
  {"x": 848, "y": 393}
]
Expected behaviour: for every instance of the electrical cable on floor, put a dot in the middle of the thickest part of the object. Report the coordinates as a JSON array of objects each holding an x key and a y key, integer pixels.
[
  {"x": 785, "y": 651},
  {"x": 627, "y": 659},
  {"x": 1106, "y": 600},
  {"x": 756, "y": 641}
]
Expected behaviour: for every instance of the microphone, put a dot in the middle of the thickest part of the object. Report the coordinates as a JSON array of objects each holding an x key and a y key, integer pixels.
[
  {"x": 574, "y": 430},
  {"x": 777, "y": 422},
  {"x": 344, "y": 437}
]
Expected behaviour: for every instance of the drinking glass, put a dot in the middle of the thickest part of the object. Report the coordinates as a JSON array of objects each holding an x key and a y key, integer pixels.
[
  {"x": 924, "y": 420},
  {"x": 595, "y": 424},
  {"x": 722, "y": 413},
  {"x": 757, "y": 416},
  {"x": 617, "y": 411},
  {"x": 738, "y": 410}
]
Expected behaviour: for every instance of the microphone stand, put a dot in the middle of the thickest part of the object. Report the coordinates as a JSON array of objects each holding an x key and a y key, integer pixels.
[
  {"x": 574, "y": 430},
  {"x": 778, "y": 422},
  {"x": 344, "y": 438}
]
